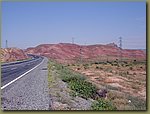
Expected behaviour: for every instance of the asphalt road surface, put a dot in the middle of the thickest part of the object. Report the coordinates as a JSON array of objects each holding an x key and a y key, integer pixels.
[
  {"x": 13, "y": 70},
  {"x": 30, "y": 92}
]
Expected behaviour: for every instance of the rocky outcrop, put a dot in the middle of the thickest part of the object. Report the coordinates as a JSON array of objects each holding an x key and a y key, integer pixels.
[{"x": 12, "y": 54}]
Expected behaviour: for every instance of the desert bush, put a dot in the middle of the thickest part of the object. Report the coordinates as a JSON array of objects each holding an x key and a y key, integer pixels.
[
  {"x": 102, "y": 104},
  {"x": 85, "y": 89},
  {"x": 125, "y": 62},
  {"x": 97, "y": 67},
  {"x": 131, "y": 68},
  {"x": 77, "y": 83},
  {"x": 73, "y": 93},
  {"x": 96, "y": 63},
  {"x": 115, "y": 64},
  {"x": 86, "y": 66},
  {"x": 67, "y": 76},
  {"x": 73, "y": 64},
  {"x": 127, "y": 65}
]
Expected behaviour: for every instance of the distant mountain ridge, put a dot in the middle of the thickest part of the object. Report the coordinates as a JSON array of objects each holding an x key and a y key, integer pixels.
[{"x": 68, "y": 51}]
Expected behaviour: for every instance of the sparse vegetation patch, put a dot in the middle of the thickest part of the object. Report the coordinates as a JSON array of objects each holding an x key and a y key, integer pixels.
[
  {"x": 102, "y": 104},
  {"x": 77, "y": 87},
  {"x": 121, "y": 79}
]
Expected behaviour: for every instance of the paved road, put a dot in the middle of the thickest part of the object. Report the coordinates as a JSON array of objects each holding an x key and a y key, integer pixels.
[
  {"x": 10, "y": 71},
  {"x": 29, "y": 92}
]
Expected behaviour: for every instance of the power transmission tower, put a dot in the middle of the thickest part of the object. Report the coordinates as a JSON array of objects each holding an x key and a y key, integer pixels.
[
  {"x": 6, "y": 44},
  {"x": 120, "y": 46},
  {"x": 80, "y": 54},
  {"x": 72, "y": 40}
]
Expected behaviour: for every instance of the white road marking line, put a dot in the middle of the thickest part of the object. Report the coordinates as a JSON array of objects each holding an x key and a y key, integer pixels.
[
  {"x": 13, "y": 68},
  {"x": 21, "y": 76}
]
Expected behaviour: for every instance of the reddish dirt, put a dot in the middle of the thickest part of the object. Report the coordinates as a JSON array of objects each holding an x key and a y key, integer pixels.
[{"x": 133, "y": 82}]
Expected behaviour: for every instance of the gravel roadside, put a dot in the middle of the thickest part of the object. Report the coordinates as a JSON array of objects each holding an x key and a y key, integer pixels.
[{"x": 28, "y": 93}]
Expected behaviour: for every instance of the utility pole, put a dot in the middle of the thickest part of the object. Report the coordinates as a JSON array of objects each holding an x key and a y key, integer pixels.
[
  {"x": 6, "y": 44},
  {"x": 120, "y": 46}
]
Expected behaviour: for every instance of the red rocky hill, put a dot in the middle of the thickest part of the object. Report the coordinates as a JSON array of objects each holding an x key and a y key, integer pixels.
[
  {"x": 68, "y": 52},
  {"x": 12, "y": 54}
]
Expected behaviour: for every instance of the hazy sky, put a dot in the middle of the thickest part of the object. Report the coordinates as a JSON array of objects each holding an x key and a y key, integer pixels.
[{"x": 28, "y": 24}]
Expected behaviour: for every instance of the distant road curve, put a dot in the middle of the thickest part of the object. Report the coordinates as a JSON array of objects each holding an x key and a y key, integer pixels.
[{"x": 11, "y": 71}]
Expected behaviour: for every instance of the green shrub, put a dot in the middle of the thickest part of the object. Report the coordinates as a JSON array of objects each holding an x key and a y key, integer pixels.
[
  {"x": 67, "y": 76},
  {"x": 102, "y": 104},
  {"x": 77, "y": 82},
  {"x": 74, "y": 94},
  {"x": 85, "y": 89}
]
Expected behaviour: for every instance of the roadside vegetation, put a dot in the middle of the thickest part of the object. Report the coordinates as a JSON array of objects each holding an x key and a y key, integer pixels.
[
  {"x": 109, "y": 85},
  {"x": 73, "y": 91}
]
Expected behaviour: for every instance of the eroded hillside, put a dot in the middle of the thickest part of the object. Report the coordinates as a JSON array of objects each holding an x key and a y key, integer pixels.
[
  {"x": 65, "y": 52},
  {"x": 12, "y": 54}
]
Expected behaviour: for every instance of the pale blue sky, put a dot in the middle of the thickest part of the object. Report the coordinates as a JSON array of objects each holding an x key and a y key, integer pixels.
[{"x": 28, "y": 24}]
